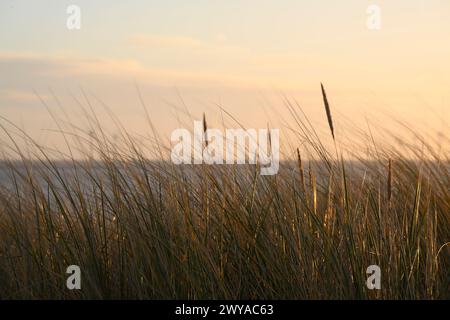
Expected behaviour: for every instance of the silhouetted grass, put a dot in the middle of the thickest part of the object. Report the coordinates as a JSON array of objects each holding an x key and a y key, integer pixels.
[{"x": 151, "y": 229}]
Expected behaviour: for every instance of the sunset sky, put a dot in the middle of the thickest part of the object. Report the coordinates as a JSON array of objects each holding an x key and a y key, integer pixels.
[{"x": 242, "y": 55}]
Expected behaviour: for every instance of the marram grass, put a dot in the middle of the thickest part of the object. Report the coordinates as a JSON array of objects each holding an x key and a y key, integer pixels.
[{"x": 150, "y": 229}]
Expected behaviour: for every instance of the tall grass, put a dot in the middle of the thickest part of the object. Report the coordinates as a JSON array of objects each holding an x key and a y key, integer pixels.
[{"x": 142, "y": 228}]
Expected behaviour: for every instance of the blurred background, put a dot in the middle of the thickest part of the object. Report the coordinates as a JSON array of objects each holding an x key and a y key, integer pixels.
[{"x": 243, "y": 56}]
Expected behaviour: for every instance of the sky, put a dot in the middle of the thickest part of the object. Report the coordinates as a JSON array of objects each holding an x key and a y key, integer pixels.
[{"x": 242, "y": 55}]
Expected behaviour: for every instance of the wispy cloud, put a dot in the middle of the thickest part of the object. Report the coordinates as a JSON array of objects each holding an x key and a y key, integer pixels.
[
  {"x": 217, "y": 47},
  {"x": 26, "y": 69},
  {"x": 159, "y": 41},
  {"x": 17, "y": 96}
]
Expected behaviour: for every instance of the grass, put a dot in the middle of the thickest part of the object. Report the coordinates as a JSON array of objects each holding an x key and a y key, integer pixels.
[{"x": 150, "y": 229}]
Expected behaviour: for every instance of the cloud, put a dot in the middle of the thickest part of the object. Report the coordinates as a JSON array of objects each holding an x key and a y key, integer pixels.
[
  {"x": 29, "y": 70},
  {"x": 19, "y": 96},
  {"x": 157, "y": 41},
  {"x": 218, "y": 47},
  {"x": 63, "y": 65}
]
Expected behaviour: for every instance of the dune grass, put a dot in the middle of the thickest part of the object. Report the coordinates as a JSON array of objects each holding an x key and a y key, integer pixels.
[{"x": 142, "y": 229}]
